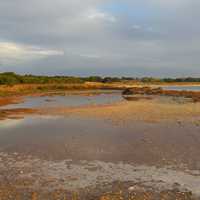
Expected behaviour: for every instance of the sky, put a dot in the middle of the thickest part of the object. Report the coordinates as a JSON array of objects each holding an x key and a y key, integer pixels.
[{"x": 159, "y": 38}]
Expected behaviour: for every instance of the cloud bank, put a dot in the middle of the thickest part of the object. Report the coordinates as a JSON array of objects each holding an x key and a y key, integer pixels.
[{"x": 105, "y": 37}]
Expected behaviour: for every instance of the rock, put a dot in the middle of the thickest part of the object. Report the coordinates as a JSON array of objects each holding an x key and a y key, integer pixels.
[{"x": 194, "y": 95}]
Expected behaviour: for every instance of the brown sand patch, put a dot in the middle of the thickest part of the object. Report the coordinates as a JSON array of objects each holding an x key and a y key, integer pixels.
[
  {"x": 16, "y": 113},
  {"x": 138, "y": 110},
  {"x": 143, "y": 110},
  {"x": 10, "y": 100}
]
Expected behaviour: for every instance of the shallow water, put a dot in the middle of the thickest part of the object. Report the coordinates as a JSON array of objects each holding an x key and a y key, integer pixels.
[
  {"x": 75, "y": 152},
  {"x": 187, "y": 88},
  {"x": 73, "y": 137},
  {"x": 68, "y": 100},
  {"x": 78, "y": 152}
]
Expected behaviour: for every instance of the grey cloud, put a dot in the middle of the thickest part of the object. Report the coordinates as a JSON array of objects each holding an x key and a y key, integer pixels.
[{"x": 165, "y": 40}]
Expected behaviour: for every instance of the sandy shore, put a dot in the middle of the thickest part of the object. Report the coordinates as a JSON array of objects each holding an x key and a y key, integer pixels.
[
  {"x": 153, "y": 108},
  {"x": 145, "y": 110},
  {"x": 141, "y": 150}
]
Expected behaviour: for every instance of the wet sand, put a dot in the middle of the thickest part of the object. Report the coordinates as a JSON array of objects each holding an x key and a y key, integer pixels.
[
  {"x": 28, "y": 176},
  {"x": 79, "y": 138},
  {"x": 146, "y": 149}
]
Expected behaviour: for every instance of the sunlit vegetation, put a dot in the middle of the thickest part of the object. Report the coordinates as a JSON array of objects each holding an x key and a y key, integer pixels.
[{"x": 10, "y": 78}]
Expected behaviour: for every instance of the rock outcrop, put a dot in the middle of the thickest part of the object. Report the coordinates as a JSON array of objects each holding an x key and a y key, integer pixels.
[{"x": 194, "y": 95}]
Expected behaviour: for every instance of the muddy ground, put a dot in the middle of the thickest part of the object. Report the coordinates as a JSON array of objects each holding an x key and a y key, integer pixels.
[{"x": 144, "y": 149}]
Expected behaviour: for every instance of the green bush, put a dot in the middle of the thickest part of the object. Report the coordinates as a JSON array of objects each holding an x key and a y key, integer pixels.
[{"x": 10, "y": 78}]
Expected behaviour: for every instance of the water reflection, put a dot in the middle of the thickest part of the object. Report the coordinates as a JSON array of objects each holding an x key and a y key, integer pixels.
[
  {"x": 79, "y": 138},
  {"x": 66, "y": 100},
  {"x": 10, "y": 123},
  {"x": 187, "y": 88}
]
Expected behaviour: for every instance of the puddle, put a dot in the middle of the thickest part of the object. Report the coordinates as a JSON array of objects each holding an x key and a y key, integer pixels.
[
  {"x": 80, "y": 138},
  {"x": 74, "y": 152},
  {"x": 187, "y": 88},
  {"x": 68, "y": 100}
]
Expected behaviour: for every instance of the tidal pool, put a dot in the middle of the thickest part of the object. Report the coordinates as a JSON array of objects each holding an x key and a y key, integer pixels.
[
  {"x": 81, "y": 138},
  {"x": 186, "y": 88},
  {"x": 69, "y": 100},
  {"x": 77, "y": 152}
]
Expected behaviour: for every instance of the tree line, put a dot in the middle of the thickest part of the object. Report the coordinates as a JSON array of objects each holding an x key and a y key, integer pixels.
[{"x": 11, "y": 78}]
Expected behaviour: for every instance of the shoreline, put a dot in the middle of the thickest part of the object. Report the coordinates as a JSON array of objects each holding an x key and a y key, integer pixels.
[
  {"x": 128, "y": 152},
  {"x": 154, "y": 109},
  {"x": 25, "y": 89}
]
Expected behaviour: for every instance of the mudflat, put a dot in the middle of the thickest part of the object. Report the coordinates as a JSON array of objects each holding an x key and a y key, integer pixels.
[{"x": 113, "y": 149}]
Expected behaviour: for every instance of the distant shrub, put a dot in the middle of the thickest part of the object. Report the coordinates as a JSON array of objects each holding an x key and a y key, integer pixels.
[{"x": 10, "y": 78}]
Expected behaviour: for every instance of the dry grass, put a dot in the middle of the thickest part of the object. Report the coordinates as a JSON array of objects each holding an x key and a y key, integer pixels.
[
  {"x": 145, "y": 110},
  {"x": 22, "y": 89}
]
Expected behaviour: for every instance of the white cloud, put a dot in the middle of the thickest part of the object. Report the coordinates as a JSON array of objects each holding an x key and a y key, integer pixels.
[
  {"x": 97, "y": 15},
  {"x": 12, "y": 53}
]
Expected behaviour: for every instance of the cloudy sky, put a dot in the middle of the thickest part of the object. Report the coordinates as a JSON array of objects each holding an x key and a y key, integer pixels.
[{"x": 103, "y": 37}]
